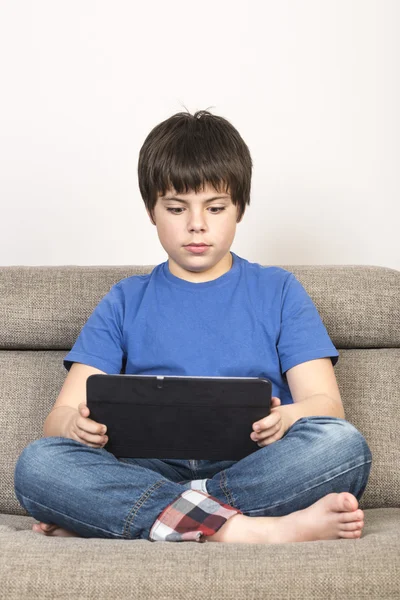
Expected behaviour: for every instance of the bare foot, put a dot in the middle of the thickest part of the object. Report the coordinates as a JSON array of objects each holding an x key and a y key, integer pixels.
[
  {"x": 332, "y": 517},
  {"x": 50, "y": 529}
]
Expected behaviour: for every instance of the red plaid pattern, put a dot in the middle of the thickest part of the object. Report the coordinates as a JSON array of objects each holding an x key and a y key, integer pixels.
[{"x": 191, "y": 516}]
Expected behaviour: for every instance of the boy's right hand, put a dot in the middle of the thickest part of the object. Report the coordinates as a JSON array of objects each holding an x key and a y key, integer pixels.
[{"x": 85, "y": 430}]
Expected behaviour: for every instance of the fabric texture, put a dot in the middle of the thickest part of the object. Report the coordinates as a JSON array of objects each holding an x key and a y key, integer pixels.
[
  {"x": 191, "y": 517},
  {"x": 252, "y": 321},
  {"x": 35, "y": 567}
]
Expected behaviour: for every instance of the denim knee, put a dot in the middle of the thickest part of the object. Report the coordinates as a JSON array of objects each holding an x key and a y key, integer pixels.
[
  {"x": 341, "y": 438},
  {"x": 340, "y": 433},
  {"x": 34, "y": 461}
]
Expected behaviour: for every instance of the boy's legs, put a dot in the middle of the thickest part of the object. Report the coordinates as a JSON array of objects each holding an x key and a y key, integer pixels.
[
  {"x": 318, "y": 458},
  {"x": 90, "y": 492}
]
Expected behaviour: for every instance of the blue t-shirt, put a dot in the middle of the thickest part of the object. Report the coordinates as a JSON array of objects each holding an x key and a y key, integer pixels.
[{"x": 253, "y": 321}]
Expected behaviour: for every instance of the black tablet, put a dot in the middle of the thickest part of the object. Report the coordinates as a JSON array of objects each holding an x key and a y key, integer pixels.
[{"x": 157, "y": 416}]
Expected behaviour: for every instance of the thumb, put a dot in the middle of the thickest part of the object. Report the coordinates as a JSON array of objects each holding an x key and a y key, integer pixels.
[
  {"x": 83, "y": 409},
  {"x": 275, "y": 401}
]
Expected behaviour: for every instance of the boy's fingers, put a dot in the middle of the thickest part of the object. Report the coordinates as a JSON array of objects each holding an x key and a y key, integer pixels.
[
  {"x": 267, "y": 422},
  {"x": 94, "y": 426},
  {"x": 89, "y": 425}
]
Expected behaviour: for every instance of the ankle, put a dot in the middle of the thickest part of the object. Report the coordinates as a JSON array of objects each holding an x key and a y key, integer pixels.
[{"x": 233, "y": 529}]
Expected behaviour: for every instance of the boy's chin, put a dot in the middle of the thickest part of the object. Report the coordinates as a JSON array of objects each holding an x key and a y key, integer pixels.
[{"x": 192, "y": 267}]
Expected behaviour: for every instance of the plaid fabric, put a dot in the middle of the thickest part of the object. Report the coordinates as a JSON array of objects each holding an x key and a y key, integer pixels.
[{"x": 191, "y": 516}]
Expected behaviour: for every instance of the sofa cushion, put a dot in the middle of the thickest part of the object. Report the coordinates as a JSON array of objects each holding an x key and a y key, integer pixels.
[
  {"x": 35, "y": 566},
  {"x": 46, "y": 307}
]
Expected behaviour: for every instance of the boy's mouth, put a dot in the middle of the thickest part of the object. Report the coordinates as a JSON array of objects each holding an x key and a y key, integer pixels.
[
  {"x": 197, "y": 244},
  {"x": 197, "y": 248}
]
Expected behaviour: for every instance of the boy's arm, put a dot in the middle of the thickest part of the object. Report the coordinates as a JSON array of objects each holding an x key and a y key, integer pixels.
[
  {"x": 72, "y": 393},
  {"x": 314, "y": 390}
]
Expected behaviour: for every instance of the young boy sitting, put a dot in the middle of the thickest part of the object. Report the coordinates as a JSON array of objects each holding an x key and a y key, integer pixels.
[{"x": 203, "y": 312}]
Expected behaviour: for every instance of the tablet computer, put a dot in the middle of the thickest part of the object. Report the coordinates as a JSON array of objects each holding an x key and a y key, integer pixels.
[{"x": 157, "y": 416}]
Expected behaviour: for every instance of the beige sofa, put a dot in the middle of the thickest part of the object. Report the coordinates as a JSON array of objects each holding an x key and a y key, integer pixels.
[{"x": 42, "y": 310}]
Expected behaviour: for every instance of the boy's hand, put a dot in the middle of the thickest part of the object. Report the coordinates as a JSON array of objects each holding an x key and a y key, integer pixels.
[
  {"x": 85, "y": 430},
  {"x": 271, "y": 428}
]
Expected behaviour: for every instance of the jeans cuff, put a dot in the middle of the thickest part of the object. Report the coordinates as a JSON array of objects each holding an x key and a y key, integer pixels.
[
  {"x": 200, "y": 485},
  {"x": 191, "y": 516}
]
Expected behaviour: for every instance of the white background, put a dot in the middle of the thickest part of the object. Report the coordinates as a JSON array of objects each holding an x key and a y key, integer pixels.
[{"x": 311, "y": 85}]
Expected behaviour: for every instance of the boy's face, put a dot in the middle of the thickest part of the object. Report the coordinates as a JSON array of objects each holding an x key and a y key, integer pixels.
[{"x": 194, "y": 220}]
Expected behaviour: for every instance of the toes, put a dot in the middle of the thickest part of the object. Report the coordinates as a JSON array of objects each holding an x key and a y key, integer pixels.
[
  {"x": 351, "y": 534},
  {"x": 43, "y": 527},
  {"x": 347, "y": 502},
  {"x": 354, "y": 526},
  {"x": 347, "y": 517}
]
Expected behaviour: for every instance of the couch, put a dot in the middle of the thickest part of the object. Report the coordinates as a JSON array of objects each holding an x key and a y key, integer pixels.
[{"x": 42, "y": 310}]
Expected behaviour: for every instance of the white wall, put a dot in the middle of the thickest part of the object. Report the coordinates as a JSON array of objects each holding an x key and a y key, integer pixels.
[{"x": 311, "y": 85}]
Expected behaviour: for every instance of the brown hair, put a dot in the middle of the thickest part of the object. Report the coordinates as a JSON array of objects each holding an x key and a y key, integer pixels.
[{"x": 187, "y": 151}]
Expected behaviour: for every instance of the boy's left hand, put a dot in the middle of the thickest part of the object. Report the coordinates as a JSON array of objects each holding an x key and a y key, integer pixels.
[{"x": 271, "y": 428}]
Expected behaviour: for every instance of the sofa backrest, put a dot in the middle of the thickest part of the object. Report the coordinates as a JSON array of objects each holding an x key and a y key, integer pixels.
[{"x": 42, "y": 310}]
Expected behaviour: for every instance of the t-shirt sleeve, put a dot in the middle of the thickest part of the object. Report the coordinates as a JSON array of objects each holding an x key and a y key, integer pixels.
[
  {"x": 100, "y": 342},
  {"x": 303, "y": 336}
]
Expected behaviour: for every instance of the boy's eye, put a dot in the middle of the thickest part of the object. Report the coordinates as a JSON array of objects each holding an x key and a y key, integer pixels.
[
  {"x": 172, "y": 209},
  {"x": 217, "y": 208}
]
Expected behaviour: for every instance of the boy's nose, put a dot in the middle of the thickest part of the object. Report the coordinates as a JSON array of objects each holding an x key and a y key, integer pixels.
[{"x": 197, "y": 224}]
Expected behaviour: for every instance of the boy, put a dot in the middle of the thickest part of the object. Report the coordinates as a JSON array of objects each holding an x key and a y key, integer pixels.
[{"x": 206, "y": 312}]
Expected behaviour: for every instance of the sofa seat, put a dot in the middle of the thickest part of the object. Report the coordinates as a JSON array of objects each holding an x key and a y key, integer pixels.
[{"x": 34, "y": 566}]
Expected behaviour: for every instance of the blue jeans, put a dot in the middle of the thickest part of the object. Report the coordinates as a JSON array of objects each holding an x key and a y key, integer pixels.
[{"x": 93, "y": 493}]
